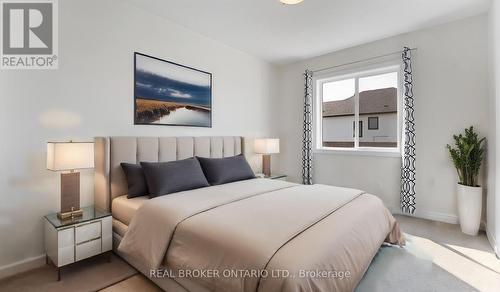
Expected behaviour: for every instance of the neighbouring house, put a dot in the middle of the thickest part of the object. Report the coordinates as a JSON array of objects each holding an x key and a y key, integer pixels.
[{"x": 378, "y": 113}]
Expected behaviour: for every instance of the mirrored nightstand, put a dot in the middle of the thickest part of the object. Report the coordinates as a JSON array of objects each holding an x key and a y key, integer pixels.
[{"x": 71, "y": 240}]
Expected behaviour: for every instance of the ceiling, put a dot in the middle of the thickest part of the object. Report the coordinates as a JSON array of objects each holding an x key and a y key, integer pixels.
[{"x": 283, "y": 34}]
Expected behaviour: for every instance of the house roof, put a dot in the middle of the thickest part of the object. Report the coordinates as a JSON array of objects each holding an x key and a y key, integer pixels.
[{"x": 370, "y": 102}]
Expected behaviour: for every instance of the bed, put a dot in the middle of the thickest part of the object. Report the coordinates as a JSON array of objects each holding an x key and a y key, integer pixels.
[{"x": 251, "y": 235}]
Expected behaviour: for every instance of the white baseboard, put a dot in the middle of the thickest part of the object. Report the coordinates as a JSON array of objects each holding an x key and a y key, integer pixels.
[
  {"x": 22, "y": 266},
  {"x": 493, "y": 242},
  {"x": 434, "y": 216}
]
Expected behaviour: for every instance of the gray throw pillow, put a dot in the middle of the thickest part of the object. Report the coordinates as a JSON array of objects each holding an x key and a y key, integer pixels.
[
  {"x": 135, "y": 180},
  {"x": 164, "y": 178},
  {"x": 225, "y": 170}
]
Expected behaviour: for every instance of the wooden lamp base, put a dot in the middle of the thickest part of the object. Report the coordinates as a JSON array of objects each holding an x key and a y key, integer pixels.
[
  {"x": 70, "y": 196},
  {"x": 266, "y": 165}
]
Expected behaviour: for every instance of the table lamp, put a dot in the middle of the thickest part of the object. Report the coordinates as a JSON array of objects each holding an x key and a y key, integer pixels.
[
  {"x": 266, "y": 147},
  {"x": 67, "y": 157}
]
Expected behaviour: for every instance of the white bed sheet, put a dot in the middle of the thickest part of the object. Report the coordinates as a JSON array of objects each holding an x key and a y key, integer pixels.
[{"x": 123, "y": 209}]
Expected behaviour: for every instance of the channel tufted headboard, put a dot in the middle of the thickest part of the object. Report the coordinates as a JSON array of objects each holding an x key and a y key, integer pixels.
[{"x": 111, "y": 151}]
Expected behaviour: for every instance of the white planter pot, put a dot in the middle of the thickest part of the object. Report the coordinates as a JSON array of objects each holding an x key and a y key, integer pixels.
[{"x": 470, "y": 200}]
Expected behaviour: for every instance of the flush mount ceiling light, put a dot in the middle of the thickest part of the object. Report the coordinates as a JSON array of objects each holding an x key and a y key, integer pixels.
[{"x": 290, "y": 2}]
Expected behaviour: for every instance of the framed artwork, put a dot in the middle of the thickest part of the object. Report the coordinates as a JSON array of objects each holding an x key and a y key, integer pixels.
[{"x": 166, "y": 93}]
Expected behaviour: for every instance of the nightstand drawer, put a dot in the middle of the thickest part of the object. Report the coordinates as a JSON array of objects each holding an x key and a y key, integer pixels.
[
  {"x": 87, "y": 232},
  {"x": 66, "y": 247},
  {"x": 69, "y": 241},
  {"x": 88, "y": 249}
]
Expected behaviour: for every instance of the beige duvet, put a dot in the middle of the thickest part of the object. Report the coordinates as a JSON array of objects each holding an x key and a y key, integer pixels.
[{"x": 261, "y": 235}]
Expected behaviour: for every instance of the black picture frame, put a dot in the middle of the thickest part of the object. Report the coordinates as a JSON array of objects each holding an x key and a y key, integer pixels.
[{"x": 138, "y": 122}]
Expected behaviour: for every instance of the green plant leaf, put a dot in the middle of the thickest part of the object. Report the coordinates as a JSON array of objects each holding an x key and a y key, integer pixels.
[{"x": 467, "y": 156}]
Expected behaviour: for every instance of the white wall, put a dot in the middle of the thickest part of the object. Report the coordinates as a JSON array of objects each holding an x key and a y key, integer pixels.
[
  {"x": 493, "y": 196},
  {"x": 92, "y": 94},
  {"x": 451, "y": 81},
  {"x": 341, "y": 128}
]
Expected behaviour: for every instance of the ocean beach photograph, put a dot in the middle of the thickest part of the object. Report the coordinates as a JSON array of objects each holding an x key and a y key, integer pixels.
[{"x": 167, "y": 93}]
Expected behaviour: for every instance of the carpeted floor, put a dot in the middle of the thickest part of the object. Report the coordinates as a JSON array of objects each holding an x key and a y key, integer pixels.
[
  {"x": 437, "y": 257},
  {"x": 88, "y": 275},
  {"x": 408, "y": 269}
]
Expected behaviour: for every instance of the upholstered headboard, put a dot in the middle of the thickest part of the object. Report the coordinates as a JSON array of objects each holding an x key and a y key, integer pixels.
[{"x": 111, "y": 151}]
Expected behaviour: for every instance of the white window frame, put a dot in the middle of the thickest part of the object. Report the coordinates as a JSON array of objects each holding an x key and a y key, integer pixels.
[{"x": 357, "y": 73}]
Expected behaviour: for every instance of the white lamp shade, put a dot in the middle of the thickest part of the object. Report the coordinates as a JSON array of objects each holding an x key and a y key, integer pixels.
[
  {"x": 267, "y": 146},
  {"x": 70, "y": 155},
  {"x": 291, "y": 2}
]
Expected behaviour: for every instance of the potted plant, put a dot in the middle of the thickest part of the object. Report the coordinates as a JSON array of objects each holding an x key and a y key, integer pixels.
[{"x": 467, "y": 157}]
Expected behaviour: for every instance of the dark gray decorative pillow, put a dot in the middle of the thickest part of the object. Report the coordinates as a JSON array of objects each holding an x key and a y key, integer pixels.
[
  {"x": 135, "y": 180},
  {"x": 164, "y": 178},
  {"x": 225, "y": 170}
]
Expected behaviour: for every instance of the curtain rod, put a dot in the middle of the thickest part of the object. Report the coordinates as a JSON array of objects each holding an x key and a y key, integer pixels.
[{"x": 360, "y": 61}]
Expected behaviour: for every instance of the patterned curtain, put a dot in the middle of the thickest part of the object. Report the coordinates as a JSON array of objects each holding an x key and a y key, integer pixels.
[
  {"x": 307, "y": 159},
  {"x": 408, "y": 156}
]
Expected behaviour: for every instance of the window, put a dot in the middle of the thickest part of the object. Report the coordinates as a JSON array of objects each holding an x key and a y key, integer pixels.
[
  {"x": 372, "y": 123},
  {"x": 360, "y": 129},
  {"x": 338, "y": 107},
  {"x": 345, "y": 102}
]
